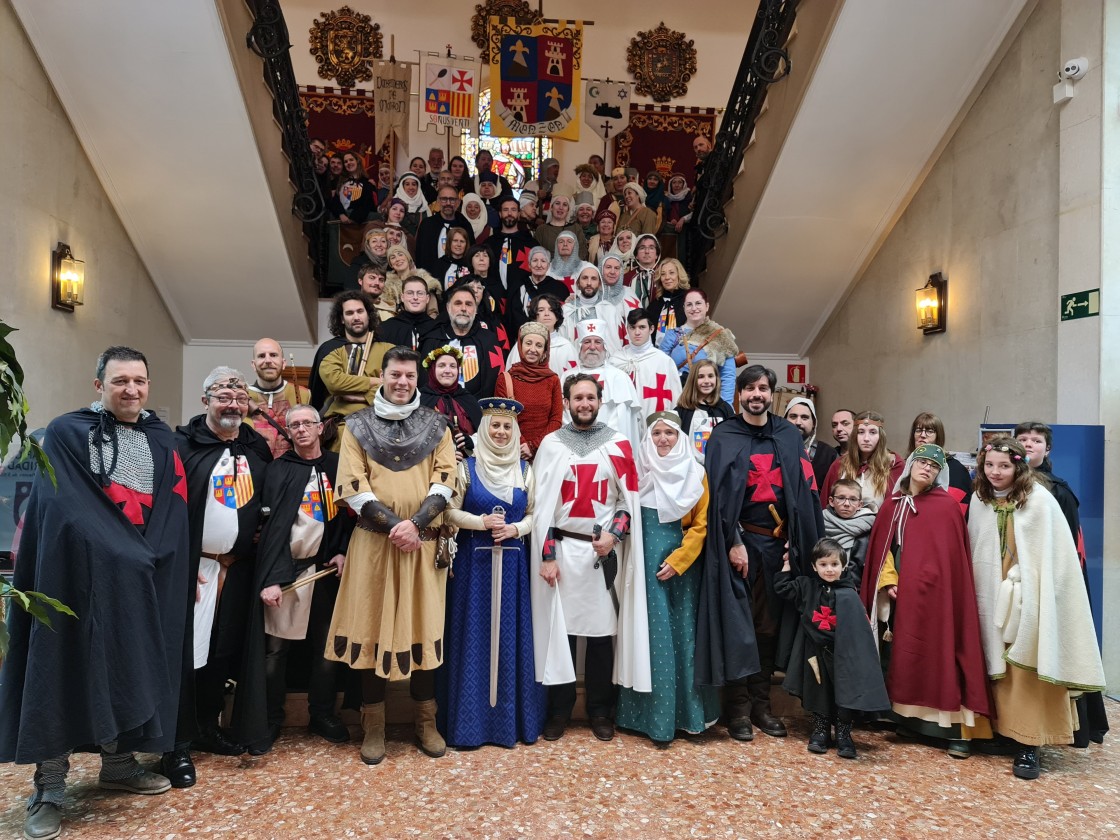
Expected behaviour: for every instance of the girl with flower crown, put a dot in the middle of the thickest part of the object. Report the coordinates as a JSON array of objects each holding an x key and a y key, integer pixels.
[{"x": 1038, "y": 635}]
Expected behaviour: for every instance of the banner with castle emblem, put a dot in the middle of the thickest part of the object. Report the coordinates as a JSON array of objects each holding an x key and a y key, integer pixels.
[
  {"x": 607, "y": 109},
  {"x": 535, "y": 78},
  {"x": 448, "y": 94}
]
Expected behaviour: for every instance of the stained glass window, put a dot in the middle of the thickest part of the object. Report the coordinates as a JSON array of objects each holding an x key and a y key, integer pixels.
[{"x": 517, "y": 159}]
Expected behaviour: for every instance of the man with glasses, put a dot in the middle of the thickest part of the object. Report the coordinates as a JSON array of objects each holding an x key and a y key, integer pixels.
[
  {"x": 305, "y": 533},
  {"x": 225, "y": 461},
  {"x": 108, "y": 540},
  {"x": 847, "y": 521},
  {"x": 802, "y": 412},
  {"x": 431, "y": 235}
]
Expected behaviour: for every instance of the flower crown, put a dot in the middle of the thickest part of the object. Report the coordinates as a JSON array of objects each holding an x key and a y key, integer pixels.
[
  {"x": 1003, "y": 447},
  {"x": 445, "y": 350}
]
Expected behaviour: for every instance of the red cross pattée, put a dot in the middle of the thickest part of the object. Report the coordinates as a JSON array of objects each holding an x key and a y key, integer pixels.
[
  {"x": 462, "y": 80},
  {"x": 131, "y": 502},
  {"x": 584, "y": 491},
  {"x": 764, "y": 477},
  {"x": 660, "y": 393},
  {"x": 824, "y": 618}
]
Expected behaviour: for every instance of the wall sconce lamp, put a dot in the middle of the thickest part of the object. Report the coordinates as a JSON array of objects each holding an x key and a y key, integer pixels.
[
  {"x": 68, "y": 279},
  {"x": 931, "y": 302}
]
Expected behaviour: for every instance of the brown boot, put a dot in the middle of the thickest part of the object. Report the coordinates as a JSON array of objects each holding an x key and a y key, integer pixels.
[
  {"x": 373, "y": 725},
  {"x": 427, "y": 736}
]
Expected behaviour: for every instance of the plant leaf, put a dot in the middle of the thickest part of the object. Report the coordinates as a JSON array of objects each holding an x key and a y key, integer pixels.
[{"x": 53, "y": 602}]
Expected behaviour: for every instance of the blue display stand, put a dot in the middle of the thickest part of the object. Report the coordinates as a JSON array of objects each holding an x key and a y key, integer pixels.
[{"x": 1077, "y": 455}]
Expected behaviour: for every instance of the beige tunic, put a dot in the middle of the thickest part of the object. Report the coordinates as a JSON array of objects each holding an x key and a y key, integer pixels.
[{"x": 390, "y": 607}]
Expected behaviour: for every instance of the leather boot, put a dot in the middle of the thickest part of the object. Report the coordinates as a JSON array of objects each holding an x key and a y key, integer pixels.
[
  {"x": 738, "y": 712},
  {"x": 818, "y": 739},
  {"x": 759, "y": 687},
  {"x": 845, "y": 746},
  {"x": 373, "y": 725},
  {"x": 427, "y": 736}
]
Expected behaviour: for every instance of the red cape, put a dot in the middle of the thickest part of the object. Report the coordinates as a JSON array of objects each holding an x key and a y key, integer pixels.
[{"x": 937, "y": 660}]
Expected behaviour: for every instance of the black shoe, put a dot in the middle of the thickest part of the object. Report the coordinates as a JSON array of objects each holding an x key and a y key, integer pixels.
[
  {"x": 999, "y": 745},
  {"x": 329, "y": 727},
  {"x": 603, "y": 728},
  {"x": 739, "y": 728},
  {"x": 818, "y": 739},
  {"x": 264, "y": 745},
  {"x": 554, "y": 728},
  {"x": 769, "y": 724},
  {"x": 845, "y": 746},
  {"x": 1025, "y": 765},
  {"x": 217, "y": 742},
  {"x": 43, "y": 822},
  {"x": 178, "y": 768}
]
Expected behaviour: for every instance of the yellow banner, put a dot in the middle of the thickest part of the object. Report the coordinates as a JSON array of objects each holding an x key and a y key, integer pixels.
[{"x": 535, "y": 78}]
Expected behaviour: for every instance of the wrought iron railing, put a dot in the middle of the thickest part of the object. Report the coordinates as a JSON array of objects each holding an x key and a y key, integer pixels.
[
  {"x": 268, "y": 38},
  {"x": 765, "y": 61}
]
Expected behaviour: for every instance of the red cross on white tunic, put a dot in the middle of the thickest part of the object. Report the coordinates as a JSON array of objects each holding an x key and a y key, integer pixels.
[
  {"x": 660, "y": 393},
  {"x": 764, "y": 477},
  {"x": 584, "y": 491}
]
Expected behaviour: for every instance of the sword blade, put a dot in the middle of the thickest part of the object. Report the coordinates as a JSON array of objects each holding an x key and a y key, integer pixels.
[{"x": 495, "y": 619}]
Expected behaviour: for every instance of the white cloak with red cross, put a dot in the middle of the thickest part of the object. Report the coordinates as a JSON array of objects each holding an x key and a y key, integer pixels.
[
  {"x": 575, "y": 493},
  {"x": 655, "y": 377}
]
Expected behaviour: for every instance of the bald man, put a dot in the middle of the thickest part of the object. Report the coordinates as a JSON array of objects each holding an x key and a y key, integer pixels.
[{"x": 271, "y": 396}]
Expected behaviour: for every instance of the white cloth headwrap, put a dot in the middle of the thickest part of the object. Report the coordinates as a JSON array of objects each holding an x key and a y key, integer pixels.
[
  {"x": 672, "y": 484},
  {"x": 416, "y": 203},
  {"x": 476, "y": 224},
  {"x": 498, "y": 467}
]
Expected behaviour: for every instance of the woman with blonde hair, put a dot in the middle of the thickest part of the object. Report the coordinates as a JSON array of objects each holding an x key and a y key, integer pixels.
[
  {"x": 401, "y": 265},
  {"x": 666, "y": 306},
  {"x": 866, "y": 459}
]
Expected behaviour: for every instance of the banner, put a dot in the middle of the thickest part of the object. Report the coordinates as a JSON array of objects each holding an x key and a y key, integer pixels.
[
  {"x": 391, "y": 83},
  {"x": 448, "y": 94},
  {"x": 660, "y": 138},
  {"x": 347, "y": 121},
  {"x": 607, "y": 109},
  {"x": 535, "y": 78}
]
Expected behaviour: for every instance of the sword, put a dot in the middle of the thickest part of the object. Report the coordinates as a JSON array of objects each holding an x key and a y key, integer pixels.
[
  {"x": 609, "y": 564},
  {"x": 496, "y": 552}
]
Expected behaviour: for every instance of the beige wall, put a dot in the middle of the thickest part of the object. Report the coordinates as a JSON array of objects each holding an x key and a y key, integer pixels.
[
  {"x": 987, "y": 217},
  {"x": 48, "y": 193}
]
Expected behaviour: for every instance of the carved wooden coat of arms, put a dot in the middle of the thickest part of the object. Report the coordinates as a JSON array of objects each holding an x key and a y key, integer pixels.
[
  {"x": 344, "y": 44},
  {"x": 662, "y": 62},
  {"x": 519, "y": 10}
]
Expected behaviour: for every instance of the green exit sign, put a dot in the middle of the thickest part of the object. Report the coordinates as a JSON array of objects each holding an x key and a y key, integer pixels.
[{"x": 1081, "y": 305}]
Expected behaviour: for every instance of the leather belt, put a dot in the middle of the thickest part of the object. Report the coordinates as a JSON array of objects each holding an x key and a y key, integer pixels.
[
  {"x": 561, "y": 534},
  {"x": 225, "y": 561},
  {"x": 774, "y": 533}
]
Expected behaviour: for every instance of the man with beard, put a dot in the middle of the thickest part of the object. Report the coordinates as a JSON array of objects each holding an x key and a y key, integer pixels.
[
  {"x": 429, "y": 183},
  {"x": 109, "y": 540},
  {"x": 337, "y": 329},
  {"x": 225, "y": 462},
  {"x": 397, "y": 469},
  {"x": 653, "y": 373},
  {"x": 587, "y": 577},
  {"x": 619, "y": 406},
  {"x": 482, "y": 356},
  {"x": 803, "y": 414},
  {"x": 271, "y": 396},
  {"x": 509, "y": 250},
  {"x": 371, "y": 281},
  {"x": 305, "y": 533},
  {"x": 617, "y": 293},
  {"x": 431, "y": 235},
  {"x": 843, "y": 420},
  {"x": 352, "y": 371},
  {"x": 413, "y": 323},
  {"x": 767, "y": 500},
  {"x": 586, "y": 304}
]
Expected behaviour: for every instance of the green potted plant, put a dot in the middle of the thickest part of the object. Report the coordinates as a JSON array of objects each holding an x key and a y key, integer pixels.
[{"x": 13, "y": 427}]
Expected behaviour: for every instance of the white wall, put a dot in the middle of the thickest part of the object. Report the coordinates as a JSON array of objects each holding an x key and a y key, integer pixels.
[
  {"x": 719, "y": 28},
  {"x": 987, "y": 217},
  {"x": 49, "y": 193}
]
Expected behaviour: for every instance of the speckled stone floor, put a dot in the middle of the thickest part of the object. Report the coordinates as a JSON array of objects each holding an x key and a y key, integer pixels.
[{"x": 705, "y": 786}]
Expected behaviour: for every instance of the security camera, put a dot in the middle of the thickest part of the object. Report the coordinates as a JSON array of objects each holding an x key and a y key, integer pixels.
[{"x": 1074, "y": 69}]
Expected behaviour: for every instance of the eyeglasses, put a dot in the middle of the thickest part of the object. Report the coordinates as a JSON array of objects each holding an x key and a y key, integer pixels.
[
  {"x": 921, "y": 430},
  {"x": 303, "y": 424},
  {"x": 845, "y": 500},
  {"x": 223, "y": 399}
]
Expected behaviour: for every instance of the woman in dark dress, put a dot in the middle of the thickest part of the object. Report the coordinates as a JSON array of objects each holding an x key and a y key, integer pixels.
[{"x": 444, "y": 392}]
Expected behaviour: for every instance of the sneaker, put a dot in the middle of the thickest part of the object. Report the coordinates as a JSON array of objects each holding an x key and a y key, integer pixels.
[
  {"x": 43, "y": 822},
  {"x": 145, "y": 783}
]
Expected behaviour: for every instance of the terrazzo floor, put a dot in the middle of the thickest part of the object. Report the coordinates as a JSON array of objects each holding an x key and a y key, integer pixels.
[{"x": 704, "y": 786}]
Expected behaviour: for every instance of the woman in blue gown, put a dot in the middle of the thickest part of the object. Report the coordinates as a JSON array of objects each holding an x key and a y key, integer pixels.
[
  {"x": 674, "y": 497},
  {"x": 490, "y": 692}
]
